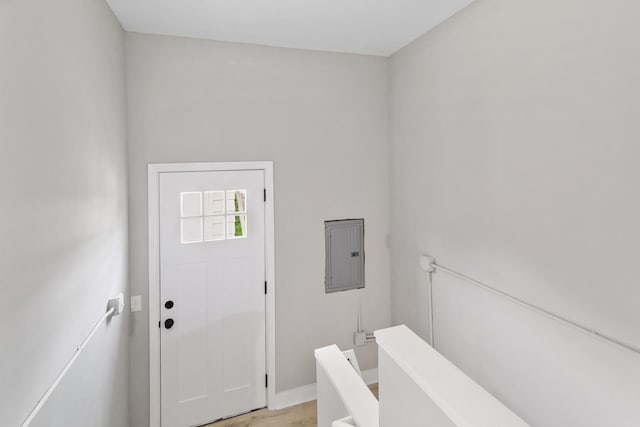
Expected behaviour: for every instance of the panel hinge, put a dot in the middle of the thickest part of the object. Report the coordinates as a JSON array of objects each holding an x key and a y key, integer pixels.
[
  {"x": 265, "y": 287},
  {"x": 265, "y": 194},
  {"x": 266, "y": 380},
  {"x": 158, "y": 323}
]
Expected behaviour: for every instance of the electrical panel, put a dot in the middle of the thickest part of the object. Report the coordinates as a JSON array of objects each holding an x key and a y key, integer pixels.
[{"x": 344, "y": 255}]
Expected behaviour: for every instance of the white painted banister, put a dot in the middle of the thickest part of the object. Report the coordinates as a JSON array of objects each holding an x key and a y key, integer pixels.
[
  {"x": 344, "y": 422},
  {"x": 419, "y": 387},
  {"x": 343, "y": 397}
]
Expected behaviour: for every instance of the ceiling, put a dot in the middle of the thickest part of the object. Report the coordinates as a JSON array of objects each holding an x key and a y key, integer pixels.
[{"x": 372, "y": 27}]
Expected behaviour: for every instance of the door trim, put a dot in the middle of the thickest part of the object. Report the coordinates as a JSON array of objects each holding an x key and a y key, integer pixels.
[{"x": 154, "y": 171}]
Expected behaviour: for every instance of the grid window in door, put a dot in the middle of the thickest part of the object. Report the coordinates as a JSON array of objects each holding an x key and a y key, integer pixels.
[{"x": 208, "y": 216}]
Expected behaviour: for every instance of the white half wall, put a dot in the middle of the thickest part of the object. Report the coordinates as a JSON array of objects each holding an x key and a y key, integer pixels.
[
  {"x": 63, "y": 215},
  {"x": 322, "y": 118},
  {"x": 514, "y": 160}
]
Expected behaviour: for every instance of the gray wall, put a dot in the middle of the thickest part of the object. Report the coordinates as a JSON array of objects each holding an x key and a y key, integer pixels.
[
  {"x": 514, "y": 160},
  {"x": 322, "y": 118},
  {"x": 63, "y": 220}
]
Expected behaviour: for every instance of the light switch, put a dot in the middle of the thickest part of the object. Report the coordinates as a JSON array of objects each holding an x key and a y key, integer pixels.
[{"x": 136, "y": 303}]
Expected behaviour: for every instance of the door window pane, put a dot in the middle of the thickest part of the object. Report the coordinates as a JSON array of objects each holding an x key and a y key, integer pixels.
[
  {"x": 236, "y": 201},
  {"x": 214, "y": 202},
  {"x": 213, "y": 228},
  {"x": 191, "y": 230},
  {"x": 236, "y": 226},
  {"x": 190, "y": 204}
]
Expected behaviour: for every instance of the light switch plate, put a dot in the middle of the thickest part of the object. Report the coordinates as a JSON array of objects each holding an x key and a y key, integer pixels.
[{"x": 136, "y": 303}]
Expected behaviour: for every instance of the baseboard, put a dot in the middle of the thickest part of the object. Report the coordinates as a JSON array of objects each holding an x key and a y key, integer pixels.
[
  {"x": 370, "y": 376},
  {"x": 307, "y": 393},
  {"x": 295, "y": 396}
]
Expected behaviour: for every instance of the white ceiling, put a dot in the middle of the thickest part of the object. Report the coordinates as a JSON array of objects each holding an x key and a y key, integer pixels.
[{"x": 373, "y": 27}]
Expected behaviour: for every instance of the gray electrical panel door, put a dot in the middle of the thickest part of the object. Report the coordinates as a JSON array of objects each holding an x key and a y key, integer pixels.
[{"x": 344, "y": 252}]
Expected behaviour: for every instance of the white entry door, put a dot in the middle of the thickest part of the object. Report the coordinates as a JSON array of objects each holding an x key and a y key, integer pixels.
[{"x": 212, "y": 295}]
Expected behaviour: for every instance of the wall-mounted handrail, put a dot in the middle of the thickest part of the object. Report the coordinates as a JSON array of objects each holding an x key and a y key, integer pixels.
[
  {"x": 115, "y": 307},
  {"x": 542, "y": 311}
]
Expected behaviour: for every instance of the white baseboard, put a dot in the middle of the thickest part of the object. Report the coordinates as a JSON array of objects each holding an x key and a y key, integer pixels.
[
  {"x": 295, "y": 396},
  {"x": 307, "y": 393},
  {"x": 370, "y": 376}
]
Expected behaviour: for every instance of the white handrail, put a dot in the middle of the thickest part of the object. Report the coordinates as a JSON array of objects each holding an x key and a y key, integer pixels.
[
  {"x": 115, "y": 307},
  {"x": 422, "y": 387},
  {"x": 344, "y": 422},
  {"x": 542, "y": 311},
  {"x": 341, "y": 391}
]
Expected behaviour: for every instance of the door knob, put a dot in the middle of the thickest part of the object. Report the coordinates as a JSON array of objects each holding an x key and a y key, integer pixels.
[
  {"x": 168, "y": 304},
  {"x": 168, "y": 324}
]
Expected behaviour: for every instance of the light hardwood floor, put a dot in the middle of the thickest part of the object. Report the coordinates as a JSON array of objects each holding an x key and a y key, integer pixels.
[{"x": 304, "y": 415}]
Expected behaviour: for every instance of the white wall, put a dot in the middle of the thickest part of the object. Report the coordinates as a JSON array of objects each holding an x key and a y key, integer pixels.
[
  {"x": 63, "y": 215},
  {"x": 322, "y": 118},
  {"x": 514, "y": 160}
]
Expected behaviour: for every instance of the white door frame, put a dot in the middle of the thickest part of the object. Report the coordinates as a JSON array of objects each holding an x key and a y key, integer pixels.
[{"x": 154, "y": 171}]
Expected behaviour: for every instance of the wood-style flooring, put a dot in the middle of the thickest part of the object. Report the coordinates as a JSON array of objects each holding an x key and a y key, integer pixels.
[{"x": 304, "y": 415}]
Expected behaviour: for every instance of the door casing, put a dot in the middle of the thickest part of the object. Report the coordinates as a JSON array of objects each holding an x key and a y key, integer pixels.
[{"x": 154, "y": 171}]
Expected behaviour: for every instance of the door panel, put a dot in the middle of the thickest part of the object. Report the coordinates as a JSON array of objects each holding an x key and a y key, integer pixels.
[{"x": 212, "y": 269}]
